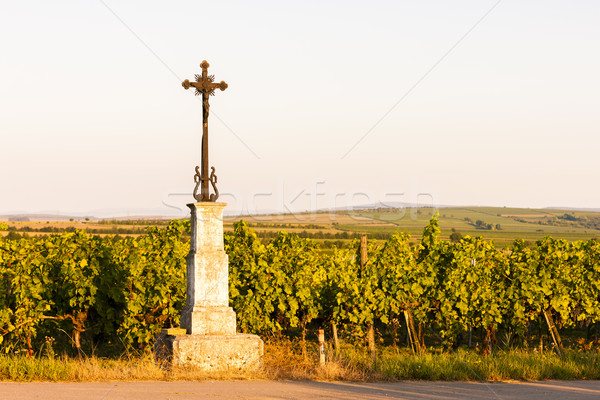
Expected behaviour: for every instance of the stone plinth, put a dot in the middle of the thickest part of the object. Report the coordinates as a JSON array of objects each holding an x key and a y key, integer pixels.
[
  {"x": 211, "y": 342},
  {"x": 211, "y": 352}
]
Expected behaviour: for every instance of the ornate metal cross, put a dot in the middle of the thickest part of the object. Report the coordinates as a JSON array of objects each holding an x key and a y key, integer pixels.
[{"x": 205, "y": 85}]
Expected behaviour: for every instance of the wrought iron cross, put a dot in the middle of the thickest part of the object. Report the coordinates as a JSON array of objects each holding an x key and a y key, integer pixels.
[{"x": 205, "y": 85}]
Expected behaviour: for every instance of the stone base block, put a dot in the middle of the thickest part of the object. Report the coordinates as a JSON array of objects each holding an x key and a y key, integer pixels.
[
  {"x": 211, "y": 352},
  {"x": 208, "y": 320}
]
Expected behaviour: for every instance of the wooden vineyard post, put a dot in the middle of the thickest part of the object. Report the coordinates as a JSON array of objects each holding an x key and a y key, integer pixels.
[
  {"x": 371, "y": 327},
  {"x": 363, "y": 252},
  {"x": 412, "y": 333},
  {"x": 470, "y": 336},
  {"x": 336, "y": 343},
  {"x": 553, "y": 331},
  {"x": 371, "y": 340}
]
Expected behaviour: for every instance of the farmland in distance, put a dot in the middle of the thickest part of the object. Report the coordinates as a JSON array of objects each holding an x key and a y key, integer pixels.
[{"x": 500, "y": 224}]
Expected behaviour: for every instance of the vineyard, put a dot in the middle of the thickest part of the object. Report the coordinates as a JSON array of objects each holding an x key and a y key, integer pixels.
[{"x": 74, "y": 292}]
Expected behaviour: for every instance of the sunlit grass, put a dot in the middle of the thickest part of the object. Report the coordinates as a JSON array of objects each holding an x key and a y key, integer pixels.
[
  {"x": 469, "y": 365},
  {"x": 285, "y": 360}
]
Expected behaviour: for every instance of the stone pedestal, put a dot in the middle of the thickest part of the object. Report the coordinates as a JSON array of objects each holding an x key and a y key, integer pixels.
[
  {"x": 211, "y": 341},
  {"x": 211, "y": 352}
]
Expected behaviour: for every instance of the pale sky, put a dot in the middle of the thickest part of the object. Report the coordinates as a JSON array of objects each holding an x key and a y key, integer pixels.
[{"x": 443, "y": 102}]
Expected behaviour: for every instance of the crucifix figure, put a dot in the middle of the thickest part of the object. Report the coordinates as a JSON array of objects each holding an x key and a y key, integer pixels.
[{"x": 205, "y": 85}]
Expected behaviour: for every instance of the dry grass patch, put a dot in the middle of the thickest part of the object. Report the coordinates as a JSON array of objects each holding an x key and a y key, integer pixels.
[{"x": 285, "y": 359}]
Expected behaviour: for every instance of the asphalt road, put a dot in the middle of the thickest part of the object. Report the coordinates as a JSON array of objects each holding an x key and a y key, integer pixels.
[{"x": 300, "y": 390}]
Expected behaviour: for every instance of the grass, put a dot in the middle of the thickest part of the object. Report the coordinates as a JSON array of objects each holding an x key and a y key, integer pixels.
[
  {"x": 93, "y": 369},
  {"x": 470, "y": 366},
  {"x": 284, "y": 360}
]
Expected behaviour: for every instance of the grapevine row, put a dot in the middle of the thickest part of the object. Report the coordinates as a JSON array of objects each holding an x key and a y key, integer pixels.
[{"x": 85, "y": 291}]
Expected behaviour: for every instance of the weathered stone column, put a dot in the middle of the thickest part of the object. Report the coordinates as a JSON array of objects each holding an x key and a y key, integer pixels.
[
  {"x": 207, "y": 338},
  {"x": 207, "y": 310}
]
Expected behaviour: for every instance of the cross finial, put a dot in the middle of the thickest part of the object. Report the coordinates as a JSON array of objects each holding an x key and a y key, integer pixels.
[{"x": 205, "y": 85}]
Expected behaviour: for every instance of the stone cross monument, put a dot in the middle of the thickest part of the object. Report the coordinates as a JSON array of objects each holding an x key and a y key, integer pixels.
[{"x": 208, "y": 338}]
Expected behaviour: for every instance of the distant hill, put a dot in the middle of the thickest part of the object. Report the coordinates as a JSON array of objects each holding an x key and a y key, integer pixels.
[
  {"x": 572, "y": 209},
  {"x": 150, "y": 215},
  {"x": 43, "y": 217}
]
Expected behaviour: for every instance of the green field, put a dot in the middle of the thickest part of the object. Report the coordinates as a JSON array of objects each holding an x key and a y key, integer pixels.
[{"x": 500, "y": 224}]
